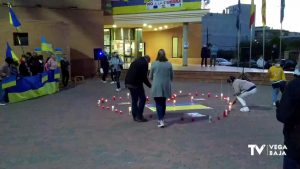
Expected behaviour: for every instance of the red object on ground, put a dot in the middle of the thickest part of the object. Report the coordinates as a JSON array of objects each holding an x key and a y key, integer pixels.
[
  {"x": 114, "y": 98},
  {"x": 102, "y": 100},
  {"x": 208, "y": 94},
  {"x": 120, "y": 98},
  {"x": 196, "y": 94},
  {"x": 103, "y": 107},
  {"x": 107, "y": 107},
  {"x": 116, "y": 110},
  {"x": 121, "y": 112}
]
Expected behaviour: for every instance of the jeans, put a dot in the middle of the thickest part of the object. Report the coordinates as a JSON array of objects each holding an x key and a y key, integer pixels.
[
  {"x": 213, "y": 59},
  {"x": 117, "y": 75},
  {"x": 138, "y": 100},
  {"x": 241, "y": 97},
  {"x": 276, "y": 87},
  {"x": 289, "y": 163},
  {"x": 160, "y": 107}
]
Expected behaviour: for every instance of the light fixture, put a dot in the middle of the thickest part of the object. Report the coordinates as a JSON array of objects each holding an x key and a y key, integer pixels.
[
  {"x": 114, "y": 26},
  {"x": 144, "y": 25},
  {"x": 160, "y": 28},
  {"x": 155, "y": 29},
  {"x": 150, "y": 26},
  {"x": 166, "y": 26}
]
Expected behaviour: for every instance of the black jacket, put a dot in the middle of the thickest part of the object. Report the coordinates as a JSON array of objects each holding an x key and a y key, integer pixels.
[
  {"x": 104, "y": 62},
  {"x": 205, "y": 52},
  {"x": 137, "y": 74},
  {"x": 288, "y": 112}
]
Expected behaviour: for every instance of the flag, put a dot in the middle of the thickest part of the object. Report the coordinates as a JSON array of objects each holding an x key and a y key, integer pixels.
[
  {"x": 238, "y": 13},
  {"x": 13, "y": 18},
  {"x": 46, "y": 47},
  {"x": 57, "y": 74},
  {"x": 9, "y": 82},
  {"x": 10, "y": 53},
  {"x": 282, "y": 10},
  {"x": 263, "y": 12},
  {"x": 252, "y": 14}
]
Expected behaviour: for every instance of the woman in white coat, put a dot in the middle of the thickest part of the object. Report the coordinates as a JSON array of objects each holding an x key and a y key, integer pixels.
[{"x": 161, "y": 74}]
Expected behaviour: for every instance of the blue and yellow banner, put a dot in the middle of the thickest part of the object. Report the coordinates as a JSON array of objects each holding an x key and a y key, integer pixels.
[
  {"x": 26, "y": 88},
  {"x": 153, "y": 6},
  {"x": 9, "y": 82}
]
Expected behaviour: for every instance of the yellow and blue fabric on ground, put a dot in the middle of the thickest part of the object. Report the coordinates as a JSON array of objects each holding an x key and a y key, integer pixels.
[{"x": 180, "y": 106}]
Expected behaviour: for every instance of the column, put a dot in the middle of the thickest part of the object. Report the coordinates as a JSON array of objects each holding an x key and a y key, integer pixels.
[{"x": 185, "y": 44}]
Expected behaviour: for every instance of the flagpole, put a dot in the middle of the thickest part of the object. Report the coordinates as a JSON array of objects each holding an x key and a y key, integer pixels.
[
  {"x": 280, "y": 45},
  {"x": 264, "y": 46},
  {"x": 251, "y": 34},
  {"x": 238, "y": 49}
]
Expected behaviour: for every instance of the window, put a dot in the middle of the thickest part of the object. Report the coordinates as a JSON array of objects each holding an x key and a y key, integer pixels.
[{"x": 20, "y": 39}]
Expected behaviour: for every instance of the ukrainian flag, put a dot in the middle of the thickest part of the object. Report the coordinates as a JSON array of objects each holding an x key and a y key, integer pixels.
[
  {"x": 44, "y": 77},
  {"x": 46, "y": 47},
  {"x": 57, "y": 74},
  {"x": 9, "y": 82},
  {"x": 14, "y": 21},
  {"x": 10, "y": 53}
]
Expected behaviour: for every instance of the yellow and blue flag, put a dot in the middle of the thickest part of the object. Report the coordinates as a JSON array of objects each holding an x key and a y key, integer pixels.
[
  {"x": 10, "y": 53},
  {"x": 46, "y": 47},
  {"x": 57, "y": 74},
  {"x": 14, "y": 21},
  {"x": 9, "y": 82}
]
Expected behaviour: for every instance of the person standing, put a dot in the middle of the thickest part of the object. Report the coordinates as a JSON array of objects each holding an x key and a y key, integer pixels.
[
  {"x": 64, "y": 63},
  {"x": 213, "y": 54},
  {"x": 135, "y": 78},
  {"x": 117, "y": 65},
  {"x": 277, "y": 78},
  {"x": 288, "y": 113},
  {"x": 161, "y": 74},
  {"x": 23, "y": 68},
  {"x": 242, "y": 89},
  {"x": 104, "y": 66},
  {"x": 204, "y": 55}
]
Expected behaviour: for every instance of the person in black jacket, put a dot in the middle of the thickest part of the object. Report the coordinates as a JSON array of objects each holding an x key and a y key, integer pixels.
[
  {"x": 23, "y": 68},
  {"x": 64, "y": 63},
  {"x": 288, "y": 112},
  {"x": 205, "y": 53},
  {"x": 137, "y": 74},
  {"x": 105, "y": 66}
]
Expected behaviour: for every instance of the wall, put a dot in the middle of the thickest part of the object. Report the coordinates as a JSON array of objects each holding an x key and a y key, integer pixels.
[
  {"x": 76, "y": 31},
  {"x": 156, "y": 40}
]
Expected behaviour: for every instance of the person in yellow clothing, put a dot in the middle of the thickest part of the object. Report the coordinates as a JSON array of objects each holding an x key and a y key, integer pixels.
[{"x": 277, "y": 78}]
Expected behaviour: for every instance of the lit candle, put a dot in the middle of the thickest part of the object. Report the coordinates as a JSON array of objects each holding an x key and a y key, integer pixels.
[
  {"x": 128, "y": 95},
  {"x": 99, "y": 102},
  {"x": 120, "y": 98},
  {"x": 192, "y": 98},
  {"x": 112, "y": 108},
  {"x": 180, "y": 91},
  {"x": 129, "y": 110},
  {"x": 221, "y": 95},
  {"x": 174, "y": 102},
  {"x": 217, "y": 96},
  {"x": 228, "y": 99},
  {"x": 106, "y": 100}
]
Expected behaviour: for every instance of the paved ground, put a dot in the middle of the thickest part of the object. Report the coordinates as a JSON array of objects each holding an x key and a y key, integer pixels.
[{"x": 69, "y": 131}]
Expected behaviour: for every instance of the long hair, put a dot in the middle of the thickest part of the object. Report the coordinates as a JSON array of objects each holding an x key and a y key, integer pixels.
[{"x": 161, "y": 56}]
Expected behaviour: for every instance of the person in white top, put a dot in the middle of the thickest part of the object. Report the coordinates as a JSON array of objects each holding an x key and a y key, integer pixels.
[{"x": 242, "y": 89}]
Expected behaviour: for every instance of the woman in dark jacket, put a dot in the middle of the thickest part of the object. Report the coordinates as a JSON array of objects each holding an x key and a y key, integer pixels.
[{"x": 23, "y": 68}]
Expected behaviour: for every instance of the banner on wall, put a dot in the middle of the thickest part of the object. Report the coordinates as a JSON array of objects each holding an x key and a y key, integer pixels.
[{"x": 159, "y": 4}]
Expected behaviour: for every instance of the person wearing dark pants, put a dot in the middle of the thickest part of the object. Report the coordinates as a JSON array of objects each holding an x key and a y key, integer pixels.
[
  {"x": 138, "y": 99},
  {"x": 117, "y": 65},
  {"x": 65, "y": 71},
  {"x": 205, "y": 53},
  {"x": 161, "y": 74},
  {"x": 288, "y": 112},
  {"x": 135, "y": 78},
  {"x": 160, "y": 107},
  {"x": 105, "y": 66}
]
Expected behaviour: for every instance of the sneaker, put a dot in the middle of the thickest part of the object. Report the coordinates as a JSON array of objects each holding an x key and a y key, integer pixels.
[
  {"x": 103, "y": 81},
  {"x": 112, "y": 82},
  {"x": 161, "y": 124},
  {"x": 274, "y": 104},
  {"x": 2, "y": 104},
  {"x": 119, "y": 89},
  {"x": 245, "y": 109}
]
